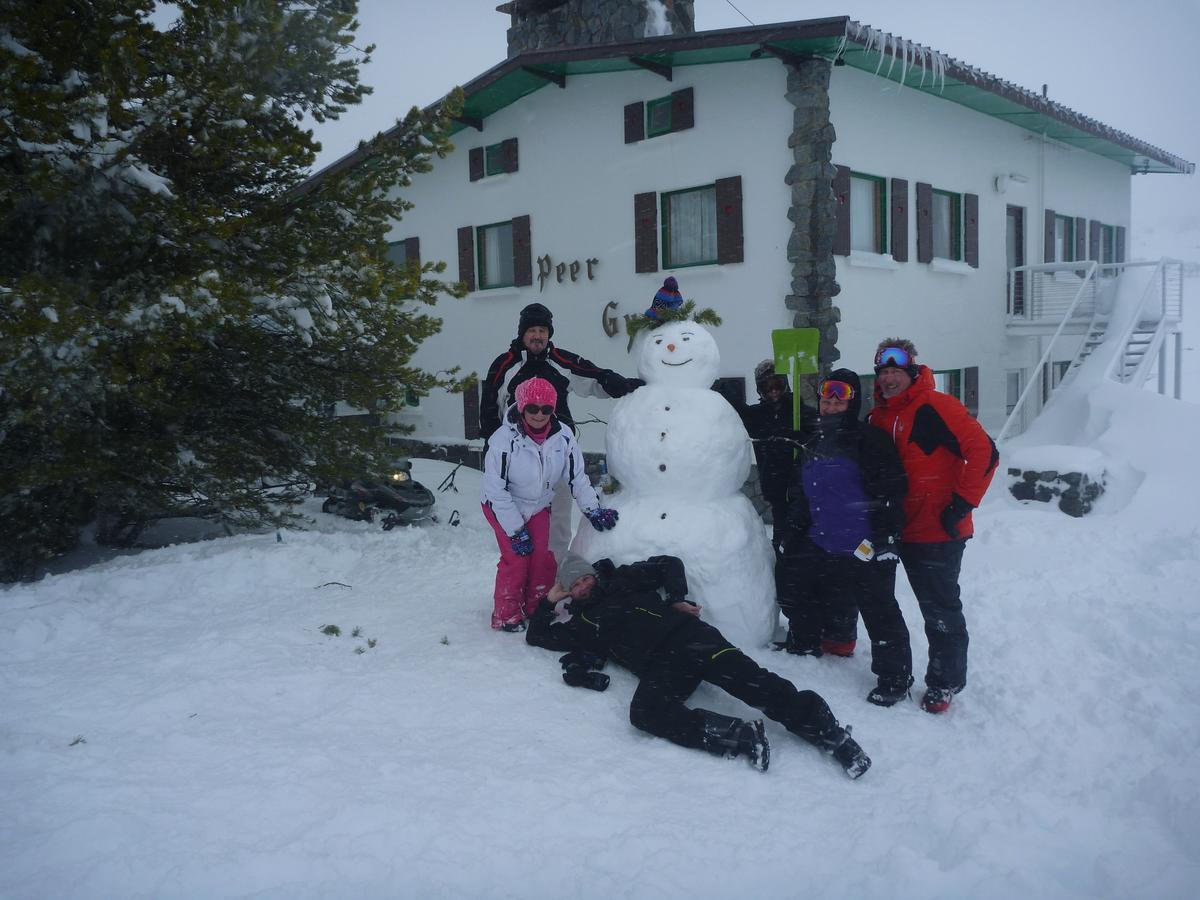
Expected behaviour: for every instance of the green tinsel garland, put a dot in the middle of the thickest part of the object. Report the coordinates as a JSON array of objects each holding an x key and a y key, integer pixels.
[{"x": 684, "y": 313}]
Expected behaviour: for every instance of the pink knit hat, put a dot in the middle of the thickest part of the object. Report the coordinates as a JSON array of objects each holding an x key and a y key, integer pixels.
[{"x": 536, "y": 391}]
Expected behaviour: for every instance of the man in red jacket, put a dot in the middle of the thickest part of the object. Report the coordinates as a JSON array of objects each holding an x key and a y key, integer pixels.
[{"x": 950, "y": 461}]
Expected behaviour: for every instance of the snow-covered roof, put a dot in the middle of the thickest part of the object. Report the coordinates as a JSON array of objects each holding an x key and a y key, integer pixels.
[{"x": 840, "y": 39}]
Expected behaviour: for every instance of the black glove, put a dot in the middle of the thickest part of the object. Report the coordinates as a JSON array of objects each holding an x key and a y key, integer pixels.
[
  {"x": 582, "y": 658},
  {"x": 790, "y": 541},
  {"x": 579, "y": 676},
  {"x": 887, "y": 549},
  {"x": 954, "y": 513}
]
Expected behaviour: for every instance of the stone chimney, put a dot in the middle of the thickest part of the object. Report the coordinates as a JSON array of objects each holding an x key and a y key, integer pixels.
[{"x": 545, "y": 24}]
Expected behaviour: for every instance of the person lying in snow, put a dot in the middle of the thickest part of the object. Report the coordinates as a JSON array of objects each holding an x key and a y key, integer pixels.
[{"x": 603, "y": 611}]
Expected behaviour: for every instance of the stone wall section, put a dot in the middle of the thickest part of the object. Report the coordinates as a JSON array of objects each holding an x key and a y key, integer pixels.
[
  {"x": 578, "y": 23},
  {"x": 813, "y": 209}
]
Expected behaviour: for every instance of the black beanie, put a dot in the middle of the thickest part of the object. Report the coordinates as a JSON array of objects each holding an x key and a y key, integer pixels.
[{"x": 535, "y": 314}]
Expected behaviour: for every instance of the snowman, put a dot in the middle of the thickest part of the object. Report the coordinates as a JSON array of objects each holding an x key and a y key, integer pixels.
[{"x": 681, "y": 454}]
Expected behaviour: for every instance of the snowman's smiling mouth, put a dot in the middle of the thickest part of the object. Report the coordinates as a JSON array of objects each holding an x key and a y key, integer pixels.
[{"x": 684, "y": 363}]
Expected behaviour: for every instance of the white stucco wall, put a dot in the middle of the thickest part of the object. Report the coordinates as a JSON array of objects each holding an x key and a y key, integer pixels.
[
  {"x": 955, "y": 319},
  {"x": 577, "y": 179}
]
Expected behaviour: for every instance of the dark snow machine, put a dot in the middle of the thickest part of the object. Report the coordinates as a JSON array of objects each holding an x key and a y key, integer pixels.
[{"x": 397, "y": 498}]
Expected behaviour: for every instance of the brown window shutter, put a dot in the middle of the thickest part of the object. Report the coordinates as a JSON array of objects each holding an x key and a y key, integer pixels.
[
  {"x": 1120, "y": 257},
  {"x": 635, "y": 122},
  {"x": 841, "y": 199},
  {"x": 508, "y": 152},
  {"x": 466, "y": 256},
  {"x": 683, "y": 111},
  {"x": 1048, "y": 247},
  {"x": 730, "y": 238},
  {"x": 971, "y": 230},
  {"x": 971, "y": 390},
  {"x": 645, "y": 232},
  {"x": 924, "y": 222},
  {"x": 1080, "y": 238},
  {"x": 471, "y": 411},
  {"x": 412, "y": 250},
  {"x": 899, "y": 223},
  {"x": 475, "y": 162},
  {"x": 1094, "y": 240},
  {"x": 522, "y": 252}
]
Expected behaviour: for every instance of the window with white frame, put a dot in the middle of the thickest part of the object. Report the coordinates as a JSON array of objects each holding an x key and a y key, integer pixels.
[
  {"x": 946, "y": 215},
  {"x": 1064, "y": 239},
  {"x": 689, "y": 224},
  {"x": 495, "y": 243},
  {"x": 1012, "y": 390},
  {"x": 1108, "y": 244},
  {"x": 868, "y": 213},
  {"x": 949, "y": 381}
]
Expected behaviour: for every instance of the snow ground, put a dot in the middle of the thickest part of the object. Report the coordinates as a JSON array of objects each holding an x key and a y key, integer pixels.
[{"x": 175, "y": 724}]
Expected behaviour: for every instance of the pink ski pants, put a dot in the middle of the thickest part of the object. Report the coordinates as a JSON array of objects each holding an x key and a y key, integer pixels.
[{"x": 522, "y": 582}]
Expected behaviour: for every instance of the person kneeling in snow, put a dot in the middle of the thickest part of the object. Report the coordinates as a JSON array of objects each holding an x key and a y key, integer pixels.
[{"x": 606, "y": 610}]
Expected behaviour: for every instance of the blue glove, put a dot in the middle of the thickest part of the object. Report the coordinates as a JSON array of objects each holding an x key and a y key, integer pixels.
[
  {"x": 602, "y": 519},
  {"x": 522, "y": 543}
]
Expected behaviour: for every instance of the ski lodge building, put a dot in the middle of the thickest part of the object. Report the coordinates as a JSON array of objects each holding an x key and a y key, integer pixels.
[{"x": 812, "y": 174}]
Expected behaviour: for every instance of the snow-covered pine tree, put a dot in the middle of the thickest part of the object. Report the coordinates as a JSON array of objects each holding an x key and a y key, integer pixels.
[{"x": 177, "y": 315}]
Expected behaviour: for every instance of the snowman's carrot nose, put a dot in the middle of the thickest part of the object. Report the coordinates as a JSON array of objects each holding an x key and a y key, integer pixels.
[{"x": 671, "y": 348}]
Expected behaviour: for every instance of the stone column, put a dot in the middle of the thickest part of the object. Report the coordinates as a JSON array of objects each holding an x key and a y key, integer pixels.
[{"x": 813, "y": 211}]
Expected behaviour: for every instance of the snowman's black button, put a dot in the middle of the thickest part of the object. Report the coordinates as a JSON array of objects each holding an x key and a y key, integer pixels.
[{"x": 662, "y": 467}]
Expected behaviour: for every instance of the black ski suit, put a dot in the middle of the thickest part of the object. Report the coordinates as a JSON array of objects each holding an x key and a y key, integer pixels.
[
  {"x": 842, "y": 467},
  {"x": 546, "y": 364},
  {"x": 626, "y": 618},
  {"x": 770, "y": 428}
]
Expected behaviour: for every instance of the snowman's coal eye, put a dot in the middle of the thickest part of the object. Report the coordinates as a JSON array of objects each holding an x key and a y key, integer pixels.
[{"x": 659, "y": 341}]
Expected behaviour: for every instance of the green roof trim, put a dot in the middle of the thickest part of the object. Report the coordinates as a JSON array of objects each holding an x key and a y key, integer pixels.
[{"x": 839, "y": 39}]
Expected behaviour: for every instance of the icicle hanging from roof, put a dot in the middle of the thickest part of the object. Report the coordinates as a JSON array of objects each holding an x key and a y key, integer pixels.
[
  {"x": 657, "y": 23},
  {"x": 886, "y": 44}
]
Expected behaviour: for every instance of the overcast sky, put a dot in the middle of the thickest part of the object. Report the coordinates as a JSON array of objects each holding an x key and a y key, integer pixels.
[{"x": 1132, "y": 64}]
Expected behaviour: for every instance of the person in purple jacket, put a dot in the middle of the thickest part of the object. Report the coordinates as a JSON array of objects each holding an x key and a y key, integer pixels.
[{"x": 847, "y": 487}]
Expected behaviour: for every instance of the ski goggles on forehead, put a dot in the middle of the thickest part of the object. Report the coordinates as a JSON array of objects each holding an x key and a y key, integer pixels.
[
  {"x": 543, "y": 410},
  {"x": 836, "y": 390},
  {"x": 893, "y": 356}
]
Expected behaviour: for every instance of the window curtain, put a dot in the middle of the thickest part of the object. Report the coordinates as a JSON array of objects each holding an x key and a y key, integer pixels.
[{"x": 693, "y": 227}]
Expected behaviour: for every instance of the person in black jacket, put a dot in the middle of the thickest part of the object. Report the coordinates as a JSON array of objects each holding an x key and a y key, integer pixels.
[
  {"x": 847, "y": 488},
  {"x": 770, "y": 426},
  {"x": 639, "y": 615},
  {"x": 533, "y": 355}
]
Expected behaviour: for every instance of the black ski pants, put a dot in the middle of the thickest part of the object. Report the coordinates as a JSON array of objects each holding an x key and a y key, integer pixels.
[
  {"x": 933, "y": 571},
  {"x": 698, "y": 652},
  {"x": 821, "y": 591}
]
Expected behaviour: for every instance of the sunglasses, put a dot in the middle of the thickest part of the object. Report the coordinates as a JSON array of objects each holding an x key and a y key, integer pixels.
[
  {"x": 893, "y": 356},
  {"x": 775, "y": 383},
  {"x": 543, "y": 410},
  {"x": 836, "y": 390}
]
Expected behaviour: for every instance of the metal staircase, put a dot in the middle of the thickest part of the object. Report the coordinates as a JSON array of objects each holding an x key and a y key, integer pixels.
[{"x": 1132, "y": 336}]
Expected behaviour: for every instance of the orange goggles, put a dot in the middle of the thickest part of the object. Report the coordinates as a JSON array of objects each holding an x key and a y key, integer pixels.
[{"x": 836, "y": 390}]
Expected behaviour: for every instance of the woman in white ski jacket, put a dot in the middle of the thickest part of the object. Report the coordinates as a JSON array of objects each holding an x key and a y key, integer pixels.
[{"x": 526, "y": 457}]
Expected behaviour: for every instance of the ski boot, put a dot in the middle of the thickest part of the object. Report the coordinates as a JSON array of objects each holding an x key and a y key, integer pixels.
[
  {"x": 845, "y": 750},
  {"x": 890, "y": 691},
  {"x": 937, "y": 700},
  {"x": 792, "y": 645},
  {"x": 730, "y": 737},
  {"x": 838, "y": 648}
]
